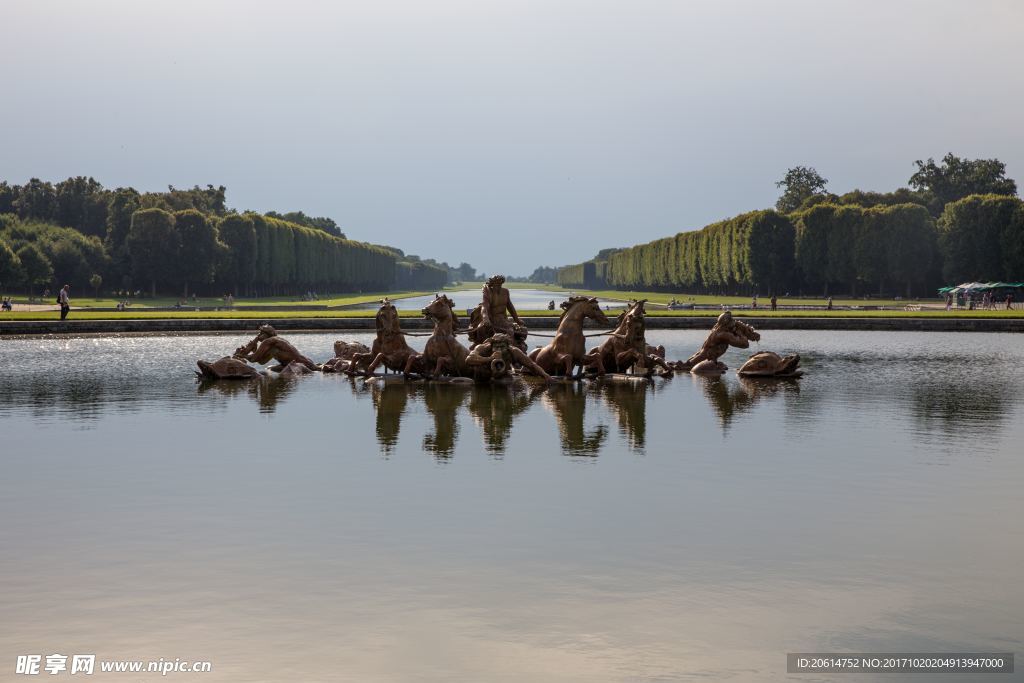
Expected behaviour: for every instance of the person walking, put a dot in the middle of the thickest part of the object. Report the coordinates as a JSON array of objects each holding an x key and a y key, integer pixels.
[
  {"x": 775, "y": 302},
  {"x": 829, "y": 304},
  {"x": 64, "y": 299}
]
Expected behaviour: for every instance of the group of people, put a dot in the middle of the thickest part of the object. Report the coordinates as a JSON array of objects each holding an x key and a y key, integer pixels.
[
  {"x": 774, "y": 301},
  {"x": 6, "y": 305},
  {"x": 970, "y": 301}
]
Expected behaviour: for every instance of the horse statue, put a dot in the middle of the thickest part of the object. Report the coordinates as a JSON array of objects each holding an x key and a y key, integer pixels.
[
  {"x": 627, "y": 346},
  {"x": 443, "y": 353},
  {"x": 389, "y": 347},
  {"x": 569, "y": 347}
]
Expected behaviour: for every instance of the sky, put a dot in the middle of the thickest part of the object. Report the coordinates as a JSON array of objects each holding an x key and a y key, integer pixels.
[{"x": 506, "y": 134}]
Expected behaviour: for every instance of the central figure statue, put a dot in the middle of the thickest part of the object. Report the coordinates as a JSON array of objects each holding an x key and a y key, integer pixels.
[{"x": 492, "y": 316}]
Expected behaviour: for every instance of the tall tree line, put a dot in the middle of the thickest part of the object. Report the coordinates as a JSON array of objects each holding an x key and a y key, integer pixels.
[
  {"x": 182, "y": 241},
  {"x": 959, "y": 220}
]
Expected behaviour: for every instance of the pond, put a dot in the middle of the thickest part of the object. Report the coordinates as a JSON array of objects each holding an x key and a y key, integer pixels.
[
  {"x": 324, "y": 529},
  {"x": 466, "y": 299}
]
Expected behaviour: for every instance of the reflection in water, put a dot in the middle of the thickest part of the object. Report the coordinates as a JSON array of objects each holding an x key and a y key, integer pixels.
[
  {"x": 568, "y": 402},
  {"x": 780, "y": 515},
  {"x": 266, "y": 391},
  {"x": 730, "y": 399},
  {"x": 495, "y": 407},
  {"x": 389, "y": 402},
  {"x": 443, "y": 402},
  {"x": 628, "y": 403}
]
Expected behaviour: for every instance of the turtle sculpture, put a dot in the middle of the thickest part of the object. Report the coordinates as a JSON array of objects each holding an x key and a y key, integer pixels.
[
  {"x": 227, "y": 367},
  {"x": 771, "y": 364}
]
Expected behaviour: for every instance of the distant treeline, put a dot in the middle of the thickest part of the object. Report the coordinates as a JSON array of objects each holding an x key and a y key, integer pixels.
[
  {"x": 906, "y": 242},
  {"x": 183, "y": 241}
]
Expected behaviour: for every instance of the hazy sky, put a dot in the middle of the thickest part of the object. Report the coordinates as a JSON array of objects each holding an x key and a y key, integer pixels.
[{"x": 506, "y": 134}]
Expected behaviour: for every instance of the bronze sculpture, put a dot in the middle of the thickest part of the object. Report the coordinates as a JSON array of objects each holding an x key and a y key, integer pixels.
[
  {"x": 568, "y": 349},
  {"x": 443, "y": 354},
  {"x": 389, "y": 347},
  {"x": 493, "y": 315},
  {"x": 727, "y": 332},
  {"x": 494, "y": 358},
  {"x": 344, "y": 354},
  {"x": 226, "y": 368},
  {"x": 771, "y": 364},
  {"x": 626, "y": 347},
  {"x": 267, "y": 346}
]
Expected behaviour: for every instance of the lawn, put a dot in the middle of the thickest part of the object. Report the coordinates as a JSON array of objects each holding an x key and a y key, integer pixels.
[
  {"x": 705, "y": 299},
  {"x": 212, "y": 302},
  {"x": 138, "y": 314}
]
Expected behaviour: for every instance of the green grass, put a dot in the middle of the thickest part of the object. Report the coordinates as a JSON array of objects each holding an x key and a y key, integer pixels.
[
  {"x": 704, "y": 299},
  {"x": 209, "y": 302},
  {"x": 264, "y": 315}
]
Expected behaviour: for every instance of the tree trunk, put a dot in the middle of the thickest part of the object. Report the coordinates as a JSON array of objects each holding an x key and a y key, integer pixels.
[{"x": 153, "y": 282}]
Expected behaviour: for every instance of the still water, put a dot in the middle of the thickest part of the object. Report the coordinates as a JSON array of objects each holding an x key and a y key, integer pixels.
[
  {"x": 319, "y": 529},
  {"x": 464, "y": 299}
]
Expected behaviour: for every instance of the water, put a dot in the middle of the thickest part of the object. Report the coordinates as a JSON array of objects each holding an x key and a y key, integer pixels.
[
  {"x": 522, "y": 299},
  {"x": 319, "y": 529}
]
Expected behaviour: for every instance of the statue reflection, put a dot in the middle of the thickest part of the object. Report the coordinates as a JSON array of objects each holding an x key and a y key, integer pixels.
[
  {"x": 266, "y": 391},
  {"x": 389, "y": 403},
  {"x": 627, "y": 401},
  {"x": 730, "y": 399},
  {"x": 443, "y": 402},
  {"x": 568, "y": 404},
  {"x": 494, "y": 407}
]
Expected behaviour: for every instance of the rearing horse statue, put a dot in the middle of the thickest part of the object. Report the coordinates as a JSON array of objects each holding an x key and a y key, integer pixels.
[
  {"x": 443, "y": 353},
  {"x": 389, "y": 348},
  {"x": 627, "y": 346},
  {"x": 569, "y": 347}
]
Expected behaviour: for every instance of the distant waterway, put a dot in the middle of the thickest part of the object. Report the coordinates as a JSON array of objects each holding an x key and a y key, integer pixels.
[{"x": 467, "y": 299}]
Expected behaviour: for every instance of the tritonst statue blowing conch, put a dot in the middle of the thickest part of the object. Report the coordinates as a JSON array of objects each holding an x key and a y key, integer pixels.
[{"x": 264, "y": 347}]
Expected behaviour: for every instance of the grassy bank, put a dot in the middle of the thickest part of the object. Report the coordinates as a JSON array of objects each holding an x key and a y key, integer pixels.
[
  {"x": 664, "y": 298},
  {"x": 212, "y": 302},
  {"x": 262, "y": 315}
]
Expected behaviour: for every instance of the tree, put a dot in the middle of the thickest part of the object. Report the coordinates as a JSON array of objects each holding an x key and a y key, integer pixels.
[
  {"x": 800, "y": 183},
  {"x": 239, "y": 236},
  {"x": 8, "y": 197},
  {"x": 318, "y": 222},
  {"x": 10, "y": 266},
  {"x": 153, "y": 246},
  {"x": 957, "y": 178},
  {"x": 200, "y": 248},
  {"x": 973, "y": 234},
  {"x": 81, "y": 203},
  {"x": 96, "y": 281},
  {"x": 35, "y": 267},
  {"x": 36, "y": 199}
]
